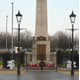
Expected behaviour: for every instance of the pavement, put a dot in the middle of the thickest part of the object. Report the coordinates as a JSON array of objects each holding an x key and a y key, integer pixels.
[
  {"x": 1, "y": 67},
  {"x": 69, "y": 72},
  {"x": 39, "y": 75},
  {"x": 11, "y": 72},
  {"x": 8, "y": 71}
]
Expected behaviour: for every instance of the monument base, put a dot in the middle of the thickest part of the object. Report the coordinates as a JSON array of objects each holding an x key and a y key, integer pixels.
[
  {"x": 30, "y": 58},
  {"x": 42, "y": 51}
]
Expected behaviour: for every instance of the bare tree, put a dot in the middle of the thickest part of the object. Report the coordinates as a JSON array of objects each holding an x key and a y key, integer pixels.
[
  {"x": 15, "y": 39},
  {"x": 28, "y": 36},
  {"x": 60, "y": 40},
  {"x": 8, "y": 41},
  {"x": 23, "y": 40},
  {"x": 3, "y": 38},
  {"x": 76, "y": 42}
]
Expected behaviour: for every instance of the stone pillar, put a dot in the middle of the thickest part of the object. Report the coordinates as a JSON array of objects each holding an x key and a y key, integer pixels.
[
  {"x": 41, "y": 19},
  {"x": 54, "y": 58}
]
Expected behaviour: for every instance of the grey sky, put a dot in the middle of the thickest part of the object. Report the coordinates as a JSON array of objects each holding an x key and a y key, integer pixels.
[{"x": 58, "y": 14}]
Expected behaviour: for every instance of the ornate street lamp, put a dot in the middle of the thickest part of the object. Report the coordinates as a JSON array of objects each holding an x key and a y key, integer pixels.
[
  {"x": 72, "y": 18},
  {"x": 18, "y": 17}
]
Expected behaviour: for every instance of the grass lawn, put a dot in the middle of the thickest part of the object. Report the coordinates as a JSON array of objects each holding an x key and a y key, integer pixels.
[
  {"x": 1, "y": 63},
  {"x": 16, "y": 63},
  {"x": 64, "y": 64}
]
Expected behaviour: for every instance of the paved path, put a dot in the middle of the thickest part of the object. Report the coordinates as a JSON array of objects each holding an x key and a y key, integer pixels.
[
  {"x": 1, "y": 67},
  {"x": 39, "y": 75},
  {"x": 69, "y": 72},
  {"x": 11, "y": 72}
]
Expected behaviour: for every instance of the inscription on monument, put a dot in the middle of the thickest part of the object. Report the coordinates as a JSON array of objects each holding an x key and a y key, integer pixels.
[
  {"x": 41, "y": 10},
  {"x": 41, "y": 49}
]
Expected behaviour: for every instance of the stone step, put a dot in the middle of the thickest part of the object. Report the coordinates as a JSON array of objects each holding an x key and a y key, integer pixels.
[{"x": 39, "y": 68}]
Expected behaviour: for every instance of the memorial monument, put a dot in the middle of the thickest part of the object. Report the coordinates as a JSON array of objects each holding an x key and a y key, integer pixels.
[{"x": 41, "y": 43}]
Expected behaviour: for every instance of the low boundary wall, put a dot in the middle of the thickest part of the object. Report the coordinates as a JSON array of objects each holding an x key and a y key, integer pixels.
[{"x": 39, "y": 68}]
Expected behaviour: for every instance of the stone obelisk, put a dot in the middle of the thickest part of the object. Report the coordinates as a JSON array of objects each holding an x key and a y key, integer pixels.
[
  {"x": 41, "y": 44},
  {"x": 41, "y": 19}
]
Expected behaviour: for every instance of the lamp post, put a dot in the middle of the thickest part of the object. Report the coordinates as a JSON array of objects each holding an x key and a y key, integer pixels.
[
  {"x": 6, "y": 31},
  {"x": 18, "y": 17},
  {"x": 72, "y": 18}
]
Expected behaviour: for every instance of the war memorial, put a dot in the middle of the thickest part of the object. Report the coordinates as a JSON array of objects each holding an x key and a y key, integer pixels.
[
  {"x": 40, "y": 63},
  {"x": 41, "y": 43}
]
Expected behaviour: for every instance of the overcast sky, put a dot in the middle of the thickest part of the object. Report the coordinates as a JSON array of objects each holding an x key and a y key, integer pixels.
[{"x": 58, "y": 14}]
